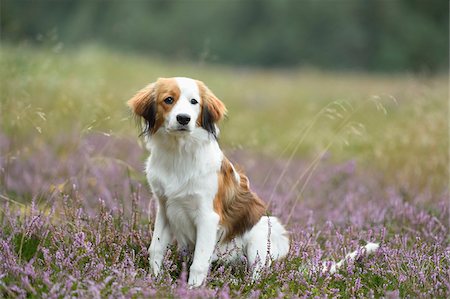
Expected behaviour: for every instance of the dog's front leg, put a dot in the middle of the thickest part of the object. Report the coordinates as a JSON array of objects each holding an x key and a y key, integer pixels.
[
  {"x": 207, "y": 224},
  {"x": 162, "y": 237}
]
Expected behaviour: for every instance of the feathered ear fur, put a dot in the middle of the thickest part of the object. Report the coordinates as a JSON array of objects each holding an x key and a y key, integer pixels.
[
  {"x": 143, "y": 104},
  {"x": 213, "y": 109}
]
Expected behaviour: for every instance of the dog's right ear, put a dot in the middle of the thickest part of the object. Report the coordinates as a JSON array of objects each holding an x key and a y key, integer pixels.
[{"x": 143, "y": 104}]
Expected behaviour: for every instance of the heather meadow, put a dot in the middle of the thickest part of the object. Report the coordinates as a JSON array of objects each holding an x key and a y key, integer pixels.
[{"x": 343, "y": 158}]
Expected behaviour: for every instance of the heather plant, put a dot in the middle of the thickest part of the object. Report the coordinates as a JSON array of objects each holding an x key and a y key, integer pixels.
[{"x": 340, "y": 166}]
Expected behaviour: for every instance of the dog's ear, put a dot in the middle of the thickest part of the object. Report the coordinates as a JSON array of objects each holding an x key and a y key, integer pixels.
[
  {"x": 213, "y": 109},
  {"x": 143, "y": 104}
]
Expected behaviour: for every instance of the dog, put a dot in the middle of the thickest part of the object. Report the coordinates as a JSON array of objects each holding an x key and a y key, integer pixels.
[{"x": 204, "y": 202}]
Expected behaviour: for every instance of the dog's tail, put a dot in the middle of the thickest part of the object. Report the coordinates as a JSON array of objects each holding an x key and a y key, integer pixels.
[{"x": 332, "y": 267}]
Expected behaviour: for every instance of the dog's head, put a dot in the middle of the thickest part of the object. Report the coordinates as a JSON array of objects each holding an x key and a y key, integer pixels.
[{"x": 178, "y": 106}]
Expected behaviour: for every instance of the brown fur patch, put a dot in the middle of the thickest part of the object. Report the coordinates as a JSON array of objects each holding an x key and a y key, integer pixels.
[
  {"x": 215, "y": 106},
  {"x": 238, "y": 207},
  {"x": 167, "y": 87},
  {"x": 149, "y": 102},
  {"x": 142, "y": 99}
]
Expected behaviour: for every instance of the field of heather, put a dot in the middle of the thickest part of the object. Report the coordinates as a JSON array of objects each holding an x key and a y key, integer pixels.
[{"x": 342, "y": 158}]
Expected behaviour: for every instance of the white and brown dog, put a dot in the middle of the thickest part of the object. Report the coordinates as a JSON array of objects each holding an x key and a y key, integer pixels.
[{"x": 204, "y": 202}]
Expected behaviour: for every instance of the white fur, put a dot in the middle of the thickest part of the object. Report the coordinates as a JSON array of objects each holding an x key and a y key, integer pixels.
[
  {"x": 368, "y": 249},
  {"x": 182, "y": 171}
]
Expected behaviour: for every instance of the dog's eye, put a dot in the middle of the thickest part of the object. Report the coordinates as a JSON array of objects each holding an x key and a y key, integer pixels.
[
  {"x": 168, "y": 100},
  {"x": 194, "y": 101}
]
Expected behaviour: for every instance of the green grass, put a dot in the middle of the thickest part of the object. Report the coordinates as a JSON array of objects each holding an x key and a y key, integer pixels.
[{"x": 397, "y": 123}]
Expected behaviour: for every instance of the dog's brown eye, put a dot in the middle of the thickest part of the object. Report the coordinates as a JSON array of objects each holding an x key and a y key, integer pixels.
[
  {"x": 168, "y": 100},
  {"x": 194, "y": 101}
]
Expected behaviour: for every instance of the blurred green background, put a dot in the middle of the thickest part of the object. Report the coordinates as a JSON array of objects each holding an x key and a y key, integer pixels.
[
  {"x": 375, "y": 35},
  {"x": 362, "y": 80}
]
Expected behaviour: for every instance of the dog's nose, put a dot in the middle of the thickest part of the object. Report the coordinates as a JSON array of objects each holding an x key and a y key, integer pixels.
[{"x": 183, "y": 119}]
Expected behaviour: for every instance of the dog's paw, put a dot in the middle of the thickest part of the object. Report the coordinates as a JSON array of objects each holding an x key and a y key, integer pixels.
[
  {"x": 154, "y": 269},
  {"x": 196, "y": 278}
]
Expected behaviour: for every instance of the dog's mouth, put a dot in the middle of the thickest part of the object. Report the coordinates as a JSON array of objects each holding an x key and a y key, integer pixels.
[{"x": 180, "y": 130}]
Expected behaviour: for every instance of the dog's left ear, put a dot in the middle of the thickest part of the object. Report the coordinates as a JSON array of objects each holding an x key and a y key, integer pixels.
[{"x": 213, "y": 109}]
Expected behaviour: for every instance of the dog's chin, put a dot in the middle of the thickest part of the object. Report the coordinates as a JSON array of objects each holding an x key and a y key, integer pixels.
[{"x": 179, "y": 131}]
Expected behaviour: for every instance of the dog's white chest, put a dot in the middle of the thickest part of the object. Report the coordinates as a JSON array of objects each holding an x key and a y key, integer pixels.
[
  {"x": 181, "y": 217},
  {"x": 184, "y": 174},
  {"x": 184, "y": 183}
]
